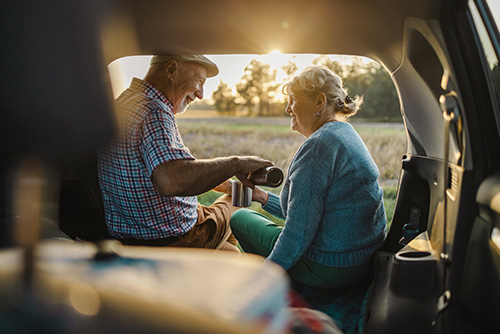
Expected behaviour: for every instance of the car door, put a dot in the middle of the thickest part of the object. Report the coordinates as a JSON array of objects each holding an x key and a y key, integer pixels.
[
  {"x": 477, "y": 298},
  {"x": 447, "y": 279}
]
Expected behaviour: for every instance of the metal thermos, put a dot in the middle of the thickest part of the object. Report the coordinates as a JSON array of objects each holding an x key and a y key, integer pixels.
[{"x": 267, "y": 176}]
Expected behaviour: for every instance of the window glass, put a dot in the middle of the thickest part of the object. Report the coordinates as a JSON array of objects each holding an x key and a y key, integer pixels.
[
  {"x": 489, "y": 51},
  {"x": 494, "y": 6}
]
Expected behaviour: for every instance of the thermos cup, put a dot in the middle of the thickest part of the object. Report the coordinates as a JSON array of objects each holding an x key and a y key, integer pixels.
[
  {"x": 268, "y": 176},
  {"x": 241, "y": 195}
]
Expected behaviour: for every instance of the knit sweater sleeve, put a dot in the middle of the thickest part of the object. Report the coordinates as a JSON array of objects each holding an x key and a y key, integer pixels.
[
  {"x": 273, "y": 206},
  {"x": 308, "y": 183}
]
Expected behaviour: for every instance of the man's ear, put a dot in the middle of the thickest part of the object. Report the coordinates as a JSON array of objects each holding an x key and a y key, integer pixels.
[{"x": 170, "y": 69}]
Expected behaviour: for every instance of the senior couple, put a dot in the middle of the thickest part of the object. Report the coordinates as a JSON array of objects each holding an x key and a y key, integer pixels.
[{"x": 331, "y": 200}]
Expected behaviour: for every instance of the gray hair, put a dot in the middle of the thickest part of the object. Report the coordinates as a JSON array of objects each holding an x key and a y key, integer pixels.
[{"x": 318, "y": 79}]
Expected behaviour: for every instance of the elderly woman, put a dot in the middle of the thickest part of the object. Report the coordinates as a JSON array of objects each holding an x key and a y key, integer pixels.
[{"x": 331, "y": 200}]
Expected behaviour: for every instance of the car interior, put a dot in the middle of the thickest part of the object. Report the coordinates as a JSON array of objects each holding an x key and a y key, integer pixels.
[{"x": 439, "y": 268}]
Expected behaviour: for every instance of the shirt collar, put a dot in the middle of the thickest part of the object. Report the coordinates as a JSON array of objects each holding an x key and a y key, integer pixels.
[{"x": 149, "y": 90}]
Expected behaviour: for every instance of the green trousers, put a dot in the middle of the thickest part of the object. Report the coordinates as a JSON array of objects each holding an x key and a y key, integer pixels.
[{"x": 257, "y": 235}]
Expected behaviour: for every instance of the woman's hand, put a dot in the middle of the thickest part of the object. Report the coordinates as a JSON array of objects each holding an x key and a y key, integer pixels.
[{"x": 260, "y": 195}]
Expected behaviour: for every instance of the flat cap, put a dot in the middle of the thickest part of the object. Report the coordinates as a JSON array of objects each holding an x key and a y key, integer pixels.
[{"x": 212, "y": 69}]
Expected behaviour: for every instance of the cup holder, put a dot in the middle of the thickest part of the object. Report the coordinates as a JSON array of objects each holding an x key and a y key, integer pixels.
[
  {"x": 413, "y": 254},
  {"x": 413, "y": 272}
]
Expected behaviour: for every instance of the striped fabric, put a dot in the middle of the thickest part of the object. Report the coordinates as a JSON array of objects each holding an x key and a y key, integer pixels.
[{"x": 150, "y": 137}]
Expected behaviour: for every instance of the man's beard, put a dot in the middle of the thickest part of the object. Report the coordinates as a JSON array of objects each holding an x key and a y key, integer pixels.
[{"x": 180, "y": 110}]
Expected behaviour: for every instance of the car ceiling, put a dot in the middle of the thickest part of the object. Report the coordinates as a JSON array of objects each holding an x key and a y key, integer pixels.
[{"x": 373, "y": 28}]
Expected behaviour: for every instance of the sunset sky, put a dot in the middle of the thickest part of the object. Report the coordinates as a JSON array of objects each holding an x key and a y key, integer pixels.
[{"x": 231, "y": 68}]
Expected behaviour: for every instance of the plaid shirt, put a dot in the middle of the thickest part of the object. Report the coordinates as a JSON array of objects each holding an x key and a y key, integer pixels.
[{"x": 133, "y": 207}]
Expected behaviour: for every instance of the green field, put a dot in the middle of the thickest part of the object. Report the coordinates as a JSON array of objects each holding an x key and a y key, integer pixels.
[{"x": 271, "y": 138}]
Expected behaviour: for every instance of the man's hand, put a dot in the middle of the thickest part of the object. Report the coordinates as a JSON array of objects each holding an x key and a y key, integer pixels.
[{"x": 250, "y": 164}]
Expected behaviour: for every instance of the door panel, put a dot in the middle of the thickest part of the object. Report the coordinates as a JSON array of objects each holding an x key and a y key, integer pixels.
[{"x": 480, "y": 295}]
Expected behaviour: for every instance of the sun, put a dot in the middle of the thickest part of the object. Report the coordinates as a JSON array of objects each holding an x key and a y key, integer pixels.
[{"x": 275, "y": 59}]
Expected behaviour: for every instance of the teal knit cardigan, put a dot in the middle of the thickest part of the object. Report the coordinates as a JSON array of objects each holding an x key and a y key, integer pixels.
[{"x": 331, "y": 202}]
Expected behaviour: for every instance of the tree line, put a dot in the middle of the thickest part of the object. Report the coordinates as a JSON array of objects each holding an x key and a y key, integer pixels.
[{"x": 259, "y": 94}]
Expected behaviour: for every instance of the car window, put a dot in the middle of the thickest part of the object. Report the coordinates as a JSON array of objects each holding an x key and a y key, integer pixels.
[
  {"x": 494, "y": 6},
  {"x": 488, "y": 36}
]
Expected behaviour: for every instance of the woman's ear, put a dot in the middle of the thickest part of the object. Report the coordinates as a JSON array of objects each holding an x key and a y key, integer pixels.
[
  {"x": 170, "y": 69},
  {"x": 320, "y": 101}
]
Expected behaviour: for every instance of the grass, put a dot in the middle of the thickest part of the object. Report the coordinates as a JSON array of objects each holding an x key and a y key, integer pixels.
[
  {"x": 271, "y": 138},
  {"x": 274, "y": 142}
]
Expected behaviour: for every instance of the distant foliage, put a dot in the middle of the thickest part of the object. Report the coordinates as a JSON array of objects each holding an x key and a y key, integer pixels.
[
  {"x": 258, "y": 92},
  {"x": 257, "y": 89},
  {"x": 224, "y": 99},
  {"x": 371, "y": 81}
]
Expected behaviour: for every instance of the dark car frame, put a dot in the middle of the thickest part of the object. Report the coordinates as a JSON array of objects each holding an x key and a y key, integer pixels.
[{"x": 442, "y": 56}]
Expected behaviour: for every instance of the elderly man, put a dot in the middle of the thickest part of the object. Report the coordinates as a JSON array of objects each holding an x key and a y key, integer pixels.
[{"x": 149, "y": 179}]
